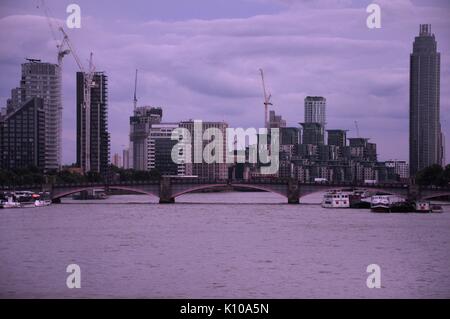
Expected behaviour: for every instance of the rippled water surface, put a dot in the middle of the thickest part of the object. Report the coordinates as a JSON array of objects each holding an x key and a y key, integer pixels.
[{"x": 221, "y": 245}]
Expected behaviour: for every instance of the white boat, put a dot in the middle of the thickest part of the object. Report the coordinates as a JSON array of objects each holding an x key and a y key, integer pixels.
[
  {"x": 10, "y": 203},
  {"x": 379, "y": 203},
  {"x": 23, "y": 199},
  {"x": 383, "y": 203},
  {"x": 42, "y": 202},
  {"x": 336, "y": 199}
]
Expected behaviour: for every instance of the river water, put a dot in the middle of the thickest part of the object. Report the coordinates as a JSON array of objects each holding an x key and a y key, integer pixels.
[{"x": 221, "y": 245}]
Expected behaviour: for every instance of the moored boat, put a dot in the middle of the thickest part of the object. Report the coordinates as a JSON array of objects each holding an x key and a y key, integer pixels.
[
  {"x": 402, "y": 207},
  {"x": 436, "y": 208},
  {"x": 422, "y": 206},
  {"x": 42, "y": 203},
  {"x": 24, "y": 199},
  {"x": 10, "y": 203},
  {"x": 380, "y": 204},
  {"x": 336, "y": 199},
  {"x": 387, "y": 203}
]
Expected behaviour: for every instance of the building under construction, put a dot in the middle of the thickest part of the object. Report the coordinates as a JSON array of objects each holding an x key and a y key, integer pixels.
[
  {"x": 92, "y": 125},
  {"x": 140, "y": 124}
]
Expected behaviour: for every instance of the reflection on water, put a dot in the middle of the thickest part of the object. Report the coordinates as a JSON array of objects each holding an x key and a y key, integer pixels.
[{"x": 244, "y": 245}]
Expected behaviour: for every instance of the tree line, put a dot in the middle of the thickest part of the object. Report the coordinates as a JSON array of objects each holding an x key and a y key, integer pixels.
[
  {"x": 435, "y": 175},
  {"x": 34, "y": 176}
]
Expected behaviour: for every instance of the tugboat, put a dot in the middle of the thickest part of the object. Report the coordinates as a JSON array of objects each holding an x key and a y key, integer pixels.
[{"x": 422, "y": 206}]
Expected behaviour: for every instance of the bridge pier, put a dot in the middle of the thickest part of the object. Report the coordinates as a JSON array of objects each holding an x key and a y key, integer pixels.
[
  {"x": 166, "y": 200},
  {"x": 165, "y": 191},
  {"x": 293, "y": 192},
  {"x": 413, "y": 192}
]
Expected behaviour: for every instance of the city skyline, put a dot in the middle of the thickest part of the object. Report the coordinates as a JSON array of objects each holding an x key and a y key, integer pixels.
[{"x": 229, "y": 89}]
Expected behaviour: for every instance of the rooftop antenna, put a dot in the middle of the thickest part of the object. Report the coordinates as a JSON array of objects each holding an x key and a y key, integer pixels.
[
  {"x": 357, "y": 129},
  {"x": 135, "y": 86}
]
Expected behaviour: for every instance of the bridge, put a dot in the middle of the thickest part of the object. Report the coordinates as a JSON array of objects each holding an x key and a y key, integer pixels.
[{"x": 168, "y": 188}]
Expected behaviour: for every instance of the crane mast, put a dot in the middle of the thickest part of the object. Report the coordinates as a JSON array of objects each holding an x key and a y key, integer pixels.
[
  {"x": 135, "y": 86},
  {"x": 266, "y": 100},
  {"x": 66, "y": 47},
  {"x": 88, "y": 76}
]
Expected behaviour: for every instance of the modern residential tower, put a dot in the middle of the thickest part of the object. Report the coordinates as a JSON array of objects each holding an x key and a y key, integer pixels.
[
  {"x": 315, "y": 110},
  {"x": 140, "y": 123},
  {"x": 43, "y": 80},
  {"x": 22, "y": 136},
  {"x": 160, "y": 150}
]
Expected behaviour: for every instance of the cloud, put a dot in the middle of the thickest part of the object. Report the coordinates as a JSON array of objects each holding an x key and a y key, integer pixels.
[{"x": 208, "y": 69}]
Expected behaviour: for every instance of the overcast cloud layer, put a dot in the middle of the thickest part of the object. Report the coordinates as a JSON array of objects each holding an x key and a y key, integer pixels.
[{"x": 199, "y": 59}]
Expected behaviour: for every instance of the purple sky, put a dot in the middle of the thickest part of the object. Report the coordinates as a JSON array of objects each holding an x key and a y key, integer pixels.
[{"x": 200, "y": 58}]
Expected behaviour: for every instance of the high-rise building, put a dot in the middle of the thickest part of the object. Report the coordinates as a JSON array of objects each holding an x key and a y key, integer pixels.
[
  {"x": 361, "y": 149},
  {"x": 289, "y": 141},
  {"x": 312, "y": 133},
  {"x": 425, "y": 136},
  {"x": 92, "y": 128},
  {"x": 116, "y": 160},
  {"x": 444, "y": 159},
  {"x": 289, "y": 136},
  {"x": 22, "y": 136},
  {"x": 315, "y": 110},
  {"x": 160, "y": 150},
  {"x": 126, "y": 158},
  {"x": 276, "y": 121},
  {"x": 206, "y": 170},
  {"x": 140, "y": 123},
  {"x": 337, "y": 137},
  {"x": 43, "y": 80},
  {"x": 401, "y": 168}
]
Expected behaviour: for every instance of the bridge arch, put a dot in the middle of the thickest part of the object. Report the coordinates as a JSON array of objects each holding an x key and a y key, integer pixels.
[
  {"x": 81, "y": 189},
  {"x": 212, "y": 186}
]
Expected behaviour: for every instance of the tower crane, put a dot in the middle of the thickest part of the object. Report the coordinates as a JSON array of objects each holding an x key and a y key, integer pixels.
[
  {"x": 61, "y": 46},
  {"x": 267, "y": 102},
  {"x": 135, "y": 86},
  {"x": 66, "y": 47}
]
